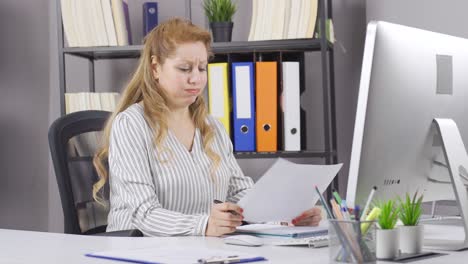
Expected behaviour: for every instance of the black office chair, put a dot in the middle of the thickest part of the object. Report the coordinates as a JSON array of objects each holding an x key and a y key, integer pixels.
[{"x": 73, "y": 140}]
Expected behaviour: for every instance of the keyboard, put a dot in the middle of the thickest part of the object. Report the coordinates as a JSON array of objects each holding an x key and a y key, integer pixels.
[{"x": 316, "y": 241}]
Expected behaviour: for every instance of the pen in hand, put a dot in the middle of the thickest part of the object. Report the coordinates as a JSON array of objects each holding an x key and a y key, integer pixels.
[{"x": 230, "y": 211}]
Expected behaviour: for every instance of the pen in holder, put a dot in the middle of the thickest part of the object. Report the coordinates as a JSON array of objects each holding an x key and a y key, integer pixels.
[{"x": 349, "y": 243}]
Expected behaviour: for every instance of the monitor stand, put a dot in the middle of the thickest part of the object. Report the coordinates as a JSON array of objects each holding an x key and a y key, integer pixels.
[{"x": 456, "y": 158}]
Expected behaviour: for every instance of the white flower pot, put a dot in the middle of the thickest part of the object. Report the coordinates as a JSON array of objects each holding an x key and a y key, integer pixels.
[
  {"x": 387, "y": 243},
  {"x": 411, "y": 239}
]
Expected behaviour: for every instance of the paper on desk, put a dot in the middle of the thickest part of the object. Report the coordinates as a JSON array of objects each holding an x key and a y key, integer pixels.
[
  {"x": 286, "y": 190},
  {"x": 283, "y": 231}
]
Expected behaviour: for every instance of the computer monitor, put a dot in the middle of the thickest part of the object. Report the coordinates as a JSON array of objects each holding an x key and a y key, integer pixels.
[{"x": 410, "y": 78}]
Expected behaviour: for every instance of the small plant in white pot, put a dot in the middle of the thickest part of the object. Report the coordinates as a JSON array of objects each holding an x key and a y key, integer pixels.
[
  {"x": 387, "y": 235},
  {"x": 411, "y": 234}
]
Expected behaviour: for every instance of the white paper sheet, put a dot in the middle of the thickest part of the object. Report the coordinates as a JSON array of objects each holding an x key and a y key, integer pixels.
[{"x": 286, "y": 190}]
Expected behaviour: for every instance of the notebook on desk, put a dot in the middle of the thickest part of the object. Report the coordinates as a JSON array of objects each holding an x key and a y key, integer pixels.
[
  {"x": 155, "y": 255},
  {"x": 283, "y": 231},
  {"x": 315, "y": 241}
]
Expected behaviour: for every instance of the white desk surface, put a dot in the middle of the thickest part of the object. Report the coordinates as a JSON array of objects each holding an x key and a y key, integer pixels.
[{"x": 42, "y": 247}]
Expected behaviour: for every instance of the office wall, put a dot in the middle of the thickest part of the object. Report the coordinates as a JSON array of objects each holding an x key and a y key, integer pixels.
[
  {"x": 24, "y": 99},
  {"x": 349, "y": 21},
  {"x": 447, "y": 17}
]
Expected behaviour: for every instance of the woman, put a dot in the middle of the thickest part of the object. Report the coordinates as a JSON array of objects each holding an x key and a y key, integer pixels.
[{"x": 168, "y": 159}]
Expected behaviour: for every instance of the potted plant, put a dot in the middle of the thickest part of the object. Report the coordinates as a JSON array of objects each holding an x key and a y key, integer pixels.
[
  {"x": 411, "y": 234},
  {"x": 220, "y": 13},
  {"x": 387, "y": 236}
]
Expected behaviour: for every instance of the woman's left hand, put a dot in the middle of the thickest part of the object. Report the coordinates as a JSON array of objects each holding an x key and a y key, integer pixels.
[{"x": 309, "y": 217}]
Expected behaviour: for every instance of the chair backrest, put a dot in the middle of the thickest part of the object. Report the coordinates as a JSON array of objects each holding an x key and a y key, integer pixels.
[{"x": 73, "y": 140}]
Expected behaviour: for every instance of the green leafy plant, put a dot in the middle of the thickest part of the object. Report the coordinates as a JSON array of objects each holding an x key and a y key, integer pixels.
[
  {"x": 410, "y": 209},
  {"x": 388, "y": 214},
  {"x": 219, "y": 10}
]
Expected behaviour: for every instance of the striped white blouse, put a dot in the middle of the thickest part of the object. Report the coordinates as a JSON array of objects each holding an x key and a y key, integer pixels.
[{"x": 167, "y": 198}]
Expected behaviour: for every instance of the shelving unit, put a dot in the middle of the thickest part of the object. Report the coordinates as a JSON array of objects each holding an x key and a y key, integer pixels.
[{"x": 228, "y": 50}]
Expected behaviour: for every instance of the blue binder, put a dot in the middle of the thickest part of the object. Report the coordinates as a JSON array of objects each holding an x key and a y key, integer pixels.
[
  {"x": 243, "y": 106},
  {"x": 150, "y": 16}
]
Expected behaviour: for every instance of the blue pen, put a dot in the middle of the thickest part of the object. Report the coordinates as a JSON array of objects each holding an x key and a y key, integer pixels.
[
  {"x": 345, "y": 214},
  {"x": 344, "y": 208},
  {"x": 357, "y": 214}
]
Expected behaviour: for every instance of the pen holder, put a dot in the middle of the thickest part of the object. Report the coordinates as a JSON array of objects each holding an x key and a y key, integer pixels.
[{"x": 351, "y": 241}]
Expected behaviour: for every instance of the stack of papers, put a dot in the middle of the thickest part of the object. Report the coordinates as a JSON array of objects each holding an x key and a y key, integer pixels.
[
  {"x": 283, "y": 231},
  {"x": 176, "y": 255}
]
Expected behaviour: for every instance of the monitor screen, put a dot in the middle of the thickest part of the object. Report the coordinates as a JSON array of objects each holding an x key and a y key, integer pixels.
[{"x": 409, "y": 77}]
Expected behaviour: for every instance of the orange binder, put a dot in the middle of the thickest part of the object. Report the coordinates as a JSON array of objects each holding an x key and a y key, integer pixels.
[{"x": 266, "y": 104}]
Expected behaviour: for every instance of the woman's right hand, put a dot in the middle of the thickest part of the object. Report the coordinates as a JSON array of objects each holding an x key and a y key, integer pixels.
[{"x": 224, "y": 219}]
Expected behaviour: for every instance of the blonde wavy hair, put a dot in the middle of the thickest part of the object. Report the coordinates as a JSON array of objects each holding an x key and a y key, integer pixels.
[{"x": 161, "y": 43}]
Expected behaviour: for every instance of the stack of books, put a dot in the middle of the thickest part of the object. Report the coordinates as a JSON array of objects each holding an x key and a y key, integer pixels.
[
  {"x": 283, "y": 19},
  {"x": 96, "y": 23}
]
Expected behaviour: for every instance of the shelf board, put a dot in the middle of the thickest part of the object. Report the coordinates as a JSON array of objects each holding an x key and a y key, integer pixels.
[
  {"x": 268, "y": 46},
  {"x": 96, "y": 53},
  {"x": 284, "y": 154},
  {"x": 284, "y": 45}
]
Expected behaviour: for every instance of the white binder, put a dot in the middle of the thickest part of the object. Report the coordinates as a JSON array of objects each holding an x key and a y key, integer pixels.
[{"x": 291, "y": 106}]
